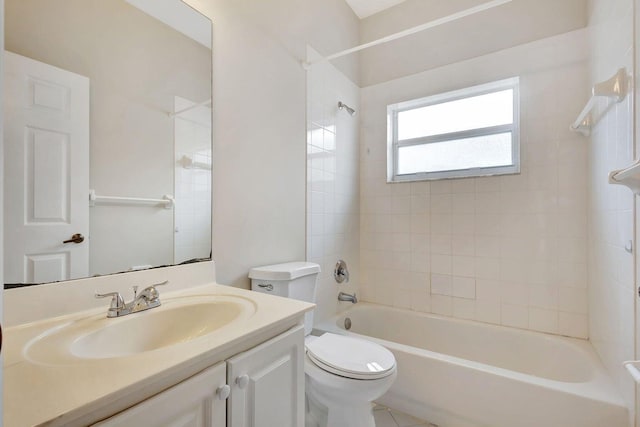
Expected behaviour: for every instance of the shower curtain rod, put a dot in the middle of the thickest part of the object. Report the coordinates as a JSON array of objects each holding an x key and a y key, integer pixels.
[{"x": 431, "y": 24}]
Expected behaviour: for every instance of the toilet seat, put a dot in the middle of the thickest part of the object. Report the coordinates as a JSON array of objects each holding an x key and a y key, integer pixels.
[{"x": 351, "y": 357}]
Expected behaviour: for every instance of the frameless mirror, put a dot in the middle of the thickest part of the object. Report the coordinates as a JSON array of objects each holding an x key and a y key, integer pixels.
[{"x": 107, "y": 113}]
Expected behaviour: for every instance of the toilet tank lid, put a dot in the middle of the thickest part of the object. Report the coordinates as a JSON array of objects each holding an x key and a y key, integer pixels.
[{"x": 286, "y": 271}]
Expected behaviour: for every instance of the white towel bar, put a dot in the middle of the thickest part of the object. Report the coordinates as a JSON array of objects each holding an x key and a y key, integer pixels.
[
  {"x": 166, "y": 202},
  {"x": 188, "y": 163}
]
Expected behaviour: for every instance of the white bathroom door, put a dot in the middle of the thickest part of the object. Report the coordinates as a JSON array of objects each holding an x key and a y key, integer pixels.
[{"x": 46, "y": 164}]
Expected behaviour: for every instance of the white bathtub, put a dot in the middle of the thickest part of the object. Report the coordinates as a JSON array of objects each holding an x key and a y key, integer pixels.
[{"x": 460, "y": 373}]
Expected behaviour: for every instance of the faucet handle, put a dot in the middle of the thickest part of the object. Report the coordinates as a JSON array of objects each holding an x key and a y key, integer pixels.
[
  {"x": 166, "y": 282},
  {"x": 117, "y": 302},
  {"x": 341, "y": 272},
  {"x": 151, "y": 293}
]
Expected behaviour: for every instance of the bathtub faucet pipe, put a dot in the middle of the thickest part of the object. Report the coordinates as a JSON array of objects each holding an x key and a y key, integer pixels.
[{"x": 342, "y": 296}]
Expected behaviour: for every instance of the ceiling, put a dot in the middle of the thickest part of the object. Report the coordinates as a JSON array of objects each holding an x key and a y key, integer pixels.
[
  {"x": 364, "y": 8},
  {"x": 179, "y": 16}
]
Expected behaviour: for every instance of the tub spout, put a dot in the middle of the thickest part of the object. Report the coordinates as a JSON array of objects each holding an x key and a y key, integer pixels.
[{"x": 347, "y": 297}]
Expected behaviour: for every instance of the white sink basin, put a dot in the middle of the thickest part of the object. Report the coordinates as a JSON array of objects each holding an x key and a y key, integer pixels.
[{"x": 176, "y": 321}]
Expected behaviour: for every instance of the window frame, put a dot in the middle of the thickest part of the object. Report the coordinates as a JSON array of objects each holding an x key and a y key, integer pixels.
[{"x": 393, "y": 145}]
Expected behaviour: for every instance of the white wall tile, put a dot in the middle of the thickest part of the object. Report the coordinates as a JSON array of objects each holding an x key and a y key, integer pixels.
[
  {"x": 439, "y": 187},
  {"x": 441, "y": 284},
  {"x": 573, "y": 300},
  {"x": 610, "y": 281},
  {"x": 464, "y": 266},
  {"x": 442, "y": 305},
  {"x": 516, "y": 316},
  {"x": 506, "y": 250},
  {"x": 543, "y": 297},
  {"x": 334, "y": 219},
  {"x": 514, "y": 293},
  {"x": 464, "y": 287},
  {"x": 463, "y": 203},
  {"x": 441, "y": 244},
  {"x": 543, "y": 320},
  {"x": 467, "y": 185},
  {"x": 441, "y": 204},
  {"x": 573, "y": 325},
  {"x": 463, "y": 244},
  {"x": 488, "y": 290},
  {"x": 488, "y": 311},
  {"x": 464, "y": 308},
  {"x": 441, "y": 264}
]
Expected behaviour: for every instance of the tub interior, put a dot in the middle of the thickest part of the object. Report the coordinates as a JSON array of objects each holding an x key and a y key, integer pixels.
[{"x": 516, "y": 350}]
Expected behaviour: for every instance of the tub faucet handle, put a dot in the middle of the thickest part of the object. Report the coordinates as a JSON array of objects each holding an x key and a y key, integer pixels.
[{"x": 341, "y": 272}]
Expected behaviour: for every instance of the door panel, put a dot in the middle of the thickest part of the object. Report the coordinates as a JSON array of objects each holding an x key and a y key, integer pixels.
[
  {"x": 48, "y": 176},
  {"x": 46, "y": 141}
]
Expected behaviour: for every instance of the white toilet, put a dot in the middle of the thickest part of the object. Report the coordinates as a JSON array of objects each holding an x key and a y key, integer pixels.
[{"x": 343, "y": 375}]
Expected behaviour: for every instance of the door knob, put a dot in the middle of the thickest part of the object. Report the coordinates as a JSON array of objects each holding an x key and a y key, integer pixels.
[{"x": 76, "y": 238}]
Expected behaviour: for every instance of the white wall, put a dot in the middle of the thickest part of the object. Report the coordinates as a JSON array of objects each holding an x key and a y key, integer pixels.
[
  {"x": 611, "y": 208},
  {"x": 508, "y": 250},
  {"x": 333, "y": 222},
  {"x": 513, "y": 24},
  {"x": 260, "y": 124}
]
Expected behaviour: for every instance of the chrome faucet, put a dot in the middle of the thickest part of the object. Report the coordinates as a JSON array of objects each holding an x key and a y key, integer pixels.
[
  {"x": 342, "y": 296},
  {"x": 148, "y": 298}
]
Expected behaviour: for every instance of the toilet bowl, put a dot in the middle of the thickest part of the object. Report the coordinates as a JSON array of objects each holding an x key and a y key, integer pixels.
[{"x": 343, "y": 375}]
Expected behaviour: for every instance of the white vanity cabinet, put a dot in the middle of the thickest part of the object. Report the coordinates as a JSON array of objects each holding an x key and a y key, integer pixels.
[
  {"x": 267, "y": 383},
  {"x": 261, "y": 387},
  {"x": 195, "y": 402}
]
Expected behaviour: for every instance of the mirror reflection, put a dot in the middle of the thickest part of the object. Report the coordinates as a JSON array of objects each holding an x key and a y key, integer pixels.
[{"x": 107, "y": 137}]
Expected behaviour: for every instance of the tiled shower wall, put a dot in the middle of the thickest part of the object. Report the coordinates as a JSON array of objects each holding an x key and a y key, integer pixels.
[
  {"x": 507, "y": 250},
  {"x": 192, "y": 191},
  {"x": 333, "y": 222},
  {"x": 611, "y": 216}
]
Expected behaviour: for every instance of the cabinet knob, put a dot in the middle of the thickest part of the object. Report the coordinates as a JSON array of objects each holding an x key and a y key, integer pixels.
[
  {"x": 223, "y": 392},
  {"x": 242, "y": 381}
]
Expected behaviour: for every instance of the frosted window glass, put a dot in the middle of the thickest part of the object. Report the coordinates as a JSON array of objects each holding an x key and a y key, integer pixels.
[
  {"x": 469, "y": 153},
  {"x": 477, "y": 112}
]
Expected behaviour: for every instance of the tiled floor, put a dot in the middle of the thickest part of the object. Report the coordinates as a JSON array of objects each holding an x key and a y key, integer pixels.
[{"x": 386, "y": 417}]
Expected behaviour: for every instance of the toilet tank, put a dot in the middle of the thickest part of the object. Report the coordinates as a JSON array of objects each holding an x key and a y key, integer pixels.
[{"x": 295, "y": 280}]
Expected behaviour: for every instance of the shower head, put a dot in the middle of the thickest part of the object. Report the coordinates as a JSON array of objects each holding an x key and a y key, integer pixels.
[{"x": 342, "y": 106}]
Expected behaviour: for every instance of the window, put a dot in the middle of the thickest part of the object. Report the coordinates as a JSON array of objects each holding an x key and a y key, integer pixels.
[{"x": 465, "y": 133}]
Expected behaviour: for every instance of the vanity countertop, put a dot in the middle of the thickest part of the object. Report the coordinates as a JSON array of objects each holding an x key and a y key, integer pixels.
[{"x": 83, "y": 391}]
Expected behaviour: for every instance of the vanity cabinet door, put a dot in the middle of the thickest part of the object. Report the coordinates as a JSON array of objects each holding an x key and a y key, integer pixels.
[
  {"x": 267, "y": 383},
  {"x": 192, "y": 403}
]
